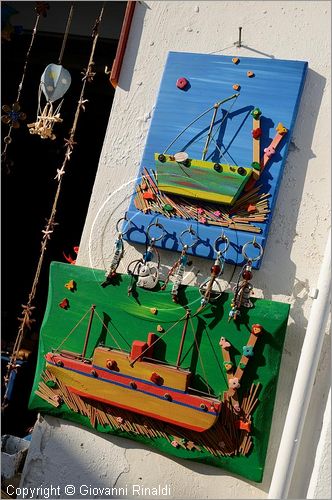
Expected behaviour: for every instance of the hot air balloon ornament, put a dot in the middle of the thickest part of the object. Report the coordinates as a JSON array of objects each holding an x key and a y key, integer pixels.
[{"x": 54, "y": 83}]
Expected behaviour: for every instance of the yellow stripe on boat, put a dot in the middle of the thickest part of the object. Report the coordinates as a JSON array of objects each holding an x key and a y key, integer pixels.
[
  {"x": 134, "y": 400},
  {"x": 172, "y": 377}
]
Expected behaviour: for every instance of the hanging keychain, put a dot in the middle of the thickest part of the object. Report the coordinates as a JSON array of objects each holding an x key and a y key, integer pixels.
[
  {"x": 118, "y": 254},
  {"x": 206, "y": 288},
  {"x": 146, "y": 271},
  {"x": 178, "y": 267},
  {"x": 243, "y": 287}
]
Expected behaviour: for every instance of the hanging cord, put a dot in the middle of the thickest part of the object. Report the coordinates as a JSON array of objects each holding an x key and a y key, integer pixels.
[
  {"x": 235, "y": 96},
  {"x": 108, "y": 331},
  {"x": 218, "y": 129},
  {"x": 215, "y": 133},
  {"x": 40, "y": 10},
  {"x": 199, "y": 356},
  {"x": 65, "y": 36},
  {"x": 25, "y": 320},
  {"x": 72, "y": 330}
]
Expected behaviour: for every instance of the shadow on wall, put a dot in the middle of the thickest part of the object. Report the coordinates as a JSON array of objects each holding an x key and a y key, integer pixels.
[
  {"x": 283, "y": 228},
  {"x": 279, "y": 270},
  {"x": 60, "y": 452}
]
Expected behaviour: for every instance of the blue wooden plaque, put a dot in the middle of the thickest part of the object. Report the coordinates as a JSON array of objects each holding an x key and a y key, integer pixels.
[{"x": 273, "y": 86}]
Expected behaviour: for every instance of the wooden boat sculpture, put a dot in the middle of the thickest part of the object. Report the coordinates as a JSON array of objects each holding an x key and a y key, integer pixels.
[
  {"x": 201, "y": 179},
  {"x": 136, "y": 381}
]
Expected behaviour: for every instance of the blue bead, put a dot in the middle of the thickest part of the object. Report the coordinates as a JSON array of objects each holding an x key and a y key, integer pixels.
[
  {"x": 184, "y": 259},
  {"x": 148, "y": 256}
]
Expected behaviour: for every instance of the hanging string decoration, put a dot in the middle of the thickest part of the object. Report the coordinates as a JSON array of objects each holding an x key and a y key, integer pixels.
[
  {"x": 13, "y": 114},
  {"x": 27, "y": 309},
  {"x": 54, "y": 83}
]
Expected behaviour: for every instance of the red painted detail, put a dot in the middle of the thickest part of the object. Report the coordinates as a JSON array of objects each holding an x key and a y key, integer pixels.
[
  {"x": 181, "y": 83},
  {"x": 111, "y": 364},
  {"x": 156, "y": 379},
  {"x": 149, "y": 196},
  {"x": 64, "y": 304},
  {"x": 256, "y": 133},
  {"x": 181, "y": 397},
  {"x": 137, "y": 348},
  {"x": 257, "y": 329},
  {"x": 251, "y": 208},
  {"x": 142, "y": 412},
  {"x": 69, "y": 257},
  {"x": 244, "y": 426}
]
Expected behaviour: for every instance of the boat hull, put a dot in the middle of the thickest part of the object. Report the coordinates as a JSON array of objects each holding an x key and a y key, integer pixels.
[
  {"x": 200, "y": 180},
  {"x": 132, "y": 393}
]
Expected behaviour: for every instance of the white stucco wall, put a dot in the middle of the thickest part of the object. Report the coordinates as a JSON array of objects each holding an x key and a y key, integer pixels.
[{"x": 299, "y": 30}]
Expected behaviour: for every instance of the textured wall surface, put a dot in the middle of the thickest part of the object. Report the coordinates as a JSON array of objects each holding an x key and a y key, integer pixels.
[{"x": 285, "y": 30}]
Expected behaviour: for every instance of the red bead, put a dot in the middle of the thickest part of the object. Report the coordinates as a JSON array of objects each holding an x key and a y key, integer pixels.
[
  {"x": 247, "y": 275},
  {"x": 181, "y": 83},
  {"x": 215, "y": 269}
]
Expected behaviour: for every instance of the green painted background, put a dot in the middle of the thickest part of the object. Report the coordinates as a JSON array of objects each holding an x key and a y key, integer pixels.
[{"x": 129, "y": 318}]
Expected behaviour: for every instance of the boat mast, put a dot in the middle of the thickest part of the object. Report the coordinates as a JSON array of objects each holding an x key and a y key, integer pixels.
[
  {"x": 216, "y": 107},
  {"x": 184, "y": 331},
  {"x": 93, "y": 307}
]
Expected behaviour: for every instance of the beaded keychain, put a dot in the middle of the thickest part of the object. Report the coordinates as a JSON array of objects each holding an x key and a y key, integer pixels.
[
  {"x": 118, "y": 254},
  {"x": 206, "y": 288},
  {"x": 243, "y": 287},
  {"x": 146, "y": 271},
  {"x": 178, "y": 267}
]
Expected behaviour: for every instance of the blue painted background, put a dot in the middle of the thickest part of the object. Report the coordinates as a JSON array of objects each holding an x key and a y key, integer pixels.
[{"x": 276, "y": 89}]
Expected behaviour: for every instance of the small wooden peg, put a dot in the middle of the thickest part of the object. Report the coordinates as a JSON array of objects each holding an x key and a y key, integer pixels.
[
  {"x": 64, "y": 304},
  {"x": 71, "y": 285}
]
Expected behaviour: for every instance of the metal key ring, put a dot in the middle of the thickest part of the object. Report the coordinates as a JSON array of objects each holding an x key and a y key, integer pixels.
[
  {"x": 190, "y": 231},
  {"x": 223, "y": 238},
  {"x": 157, "y": 224},
  {"x": 215, "y": 293},
  {"x": 256, "y": 245},
  {"x": 122, "y": 233}
]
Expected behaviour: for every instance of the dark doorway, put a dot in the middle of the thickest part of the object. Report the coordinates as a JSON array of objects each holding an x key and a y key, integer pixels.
[{"x": 28, "y": 188}]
